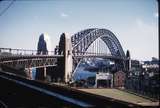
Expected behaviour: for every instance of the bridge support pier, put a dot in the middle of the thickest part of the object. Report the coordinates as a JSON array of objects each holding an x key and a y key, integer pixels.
[
  {"x": 45, "y": 72},
  {"x": 41, "y": 73},
  {"x": 68, "y": 59},
  {"x": 30, "y": 73}
]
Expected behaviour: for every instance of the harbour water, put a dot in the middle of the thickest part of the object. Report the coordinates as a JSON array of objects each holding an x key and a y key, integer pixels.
[{"x": 78, "y": 75}]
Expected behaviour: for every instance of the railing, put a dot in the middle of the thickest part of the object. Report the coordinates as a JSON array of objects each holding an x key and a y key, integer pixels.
[
  {"x": 10, "y": 51},
  {"x": 90, "y": 53},
  {"x": 99, "y": 55}
]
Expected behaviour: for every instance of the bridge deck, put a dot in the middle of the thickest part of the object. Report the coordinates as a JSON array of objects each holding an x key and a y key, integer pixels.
[{"x": 122, "y": 95}]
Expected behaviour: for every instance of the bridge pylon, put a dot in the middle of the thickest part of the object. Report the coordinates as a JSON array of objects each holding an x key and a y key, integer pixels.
[
  {"x": 128, "y": 61},
  {"x": 68, "y": 58}
]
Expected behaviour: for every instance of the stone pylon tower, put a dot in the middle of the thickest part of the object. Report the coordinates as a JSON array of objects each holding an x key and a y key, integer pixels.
[
  {"x": 128, "y": 62},
  {"x": 65, "y": 64},
  {"x": 68, "y": 58},
  {"x": 42, "y": 45}
]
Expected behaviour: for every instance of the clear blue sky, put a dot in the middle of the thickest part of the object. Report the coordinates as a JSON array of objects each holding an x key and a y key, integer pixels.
[{"x": 134, "y": 22}]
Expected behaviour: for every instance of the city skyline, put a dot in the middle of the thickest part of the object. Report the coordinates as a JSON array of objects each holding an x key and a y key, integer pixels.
[{"x": 135, "y": 23}]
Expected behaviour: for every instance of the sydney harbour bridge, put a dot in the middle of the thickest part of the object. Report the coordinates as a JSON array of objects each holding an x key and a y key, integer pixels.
[
  {"x": 62, "y": 63},
  {"x": 69, "y": 52}
]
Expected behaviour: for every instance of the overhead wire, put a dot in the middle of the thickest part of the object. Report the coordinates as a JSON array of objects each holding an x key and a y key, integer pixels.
[{"x": 3, "y": 11}]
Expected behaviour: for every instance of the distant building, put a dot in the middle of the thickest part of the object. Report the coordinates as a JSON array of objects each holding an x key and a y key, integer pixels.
[
  {"x": 151, "y": 64},
  {"x": 104, "y": 80},
  {"x": 144, "y": 78},
  {"x": 119, "y": 79},
  {"x": 136, "y": 67},
  {"x": 135, "y": 64}
]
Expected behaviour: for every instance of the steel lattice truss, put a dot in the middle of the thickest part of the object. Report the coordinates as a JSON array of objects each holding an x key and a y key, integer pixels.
[
  {"x": 30, "y": 61},
  {"x": 83, "y": 39}
]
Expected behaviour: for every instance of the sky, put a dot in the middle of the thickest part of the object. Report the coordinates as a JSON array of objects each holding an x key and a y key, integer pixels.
[{"x": 134, "y": 22}]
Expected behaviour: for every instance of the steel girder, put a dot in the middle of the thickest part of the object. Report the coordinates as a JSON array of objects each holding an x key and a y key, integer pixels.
[
  {"x": 82, "y": 40},
  {"x": 78, "y": 36},
  {"x": 30, "y": 61}
]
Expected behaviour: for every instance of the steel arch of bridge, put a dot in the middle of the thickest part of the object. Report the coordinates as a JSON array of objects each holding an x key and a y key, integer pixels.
[{"x": 83, "y": 39}]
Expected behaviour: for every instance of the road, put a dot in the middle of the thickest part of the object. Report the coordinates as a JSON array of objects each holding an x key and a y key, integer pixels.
[{"x": 122, "y": 95}]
